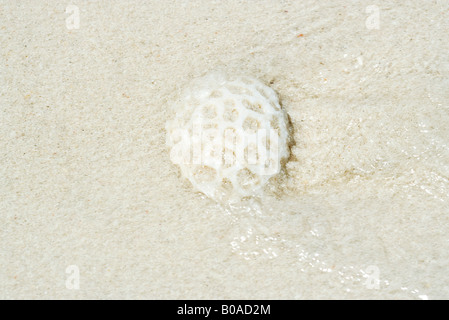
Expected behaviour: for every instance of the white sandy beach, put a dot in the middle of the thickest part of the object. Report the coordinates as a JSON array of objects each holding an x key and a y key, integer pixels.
[{"x": 86, "y": 181}]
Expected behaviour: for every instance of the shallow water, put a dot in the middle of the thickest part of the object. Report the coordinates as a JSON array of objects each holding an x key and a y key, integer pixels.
[{"x": 87, "y": 180}]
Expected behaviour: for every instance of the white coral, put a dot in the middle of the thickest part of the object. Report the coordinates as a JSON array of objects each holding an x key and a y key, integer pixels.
[{"x": 229, "y": 136}]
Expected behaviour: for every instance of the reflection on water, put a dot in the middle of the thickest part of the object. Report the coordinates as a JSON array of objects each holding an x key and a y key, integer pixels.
[{"x": 302, "y": 234}]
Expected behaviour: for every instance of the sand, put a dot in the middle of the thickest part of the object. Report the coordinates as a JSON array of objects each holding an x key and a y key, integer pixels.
[{"x": 91, "y": 206}]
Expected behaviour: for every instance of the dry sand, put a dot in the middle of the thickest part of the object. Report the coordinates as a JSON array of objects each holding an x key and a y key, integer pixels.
[{"x": 87, "y": 185}]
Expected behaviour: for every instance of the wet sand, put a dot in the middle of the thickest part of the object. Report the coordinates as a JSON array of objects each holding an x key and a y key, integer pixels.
[{"x": 87, "y": 186}]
